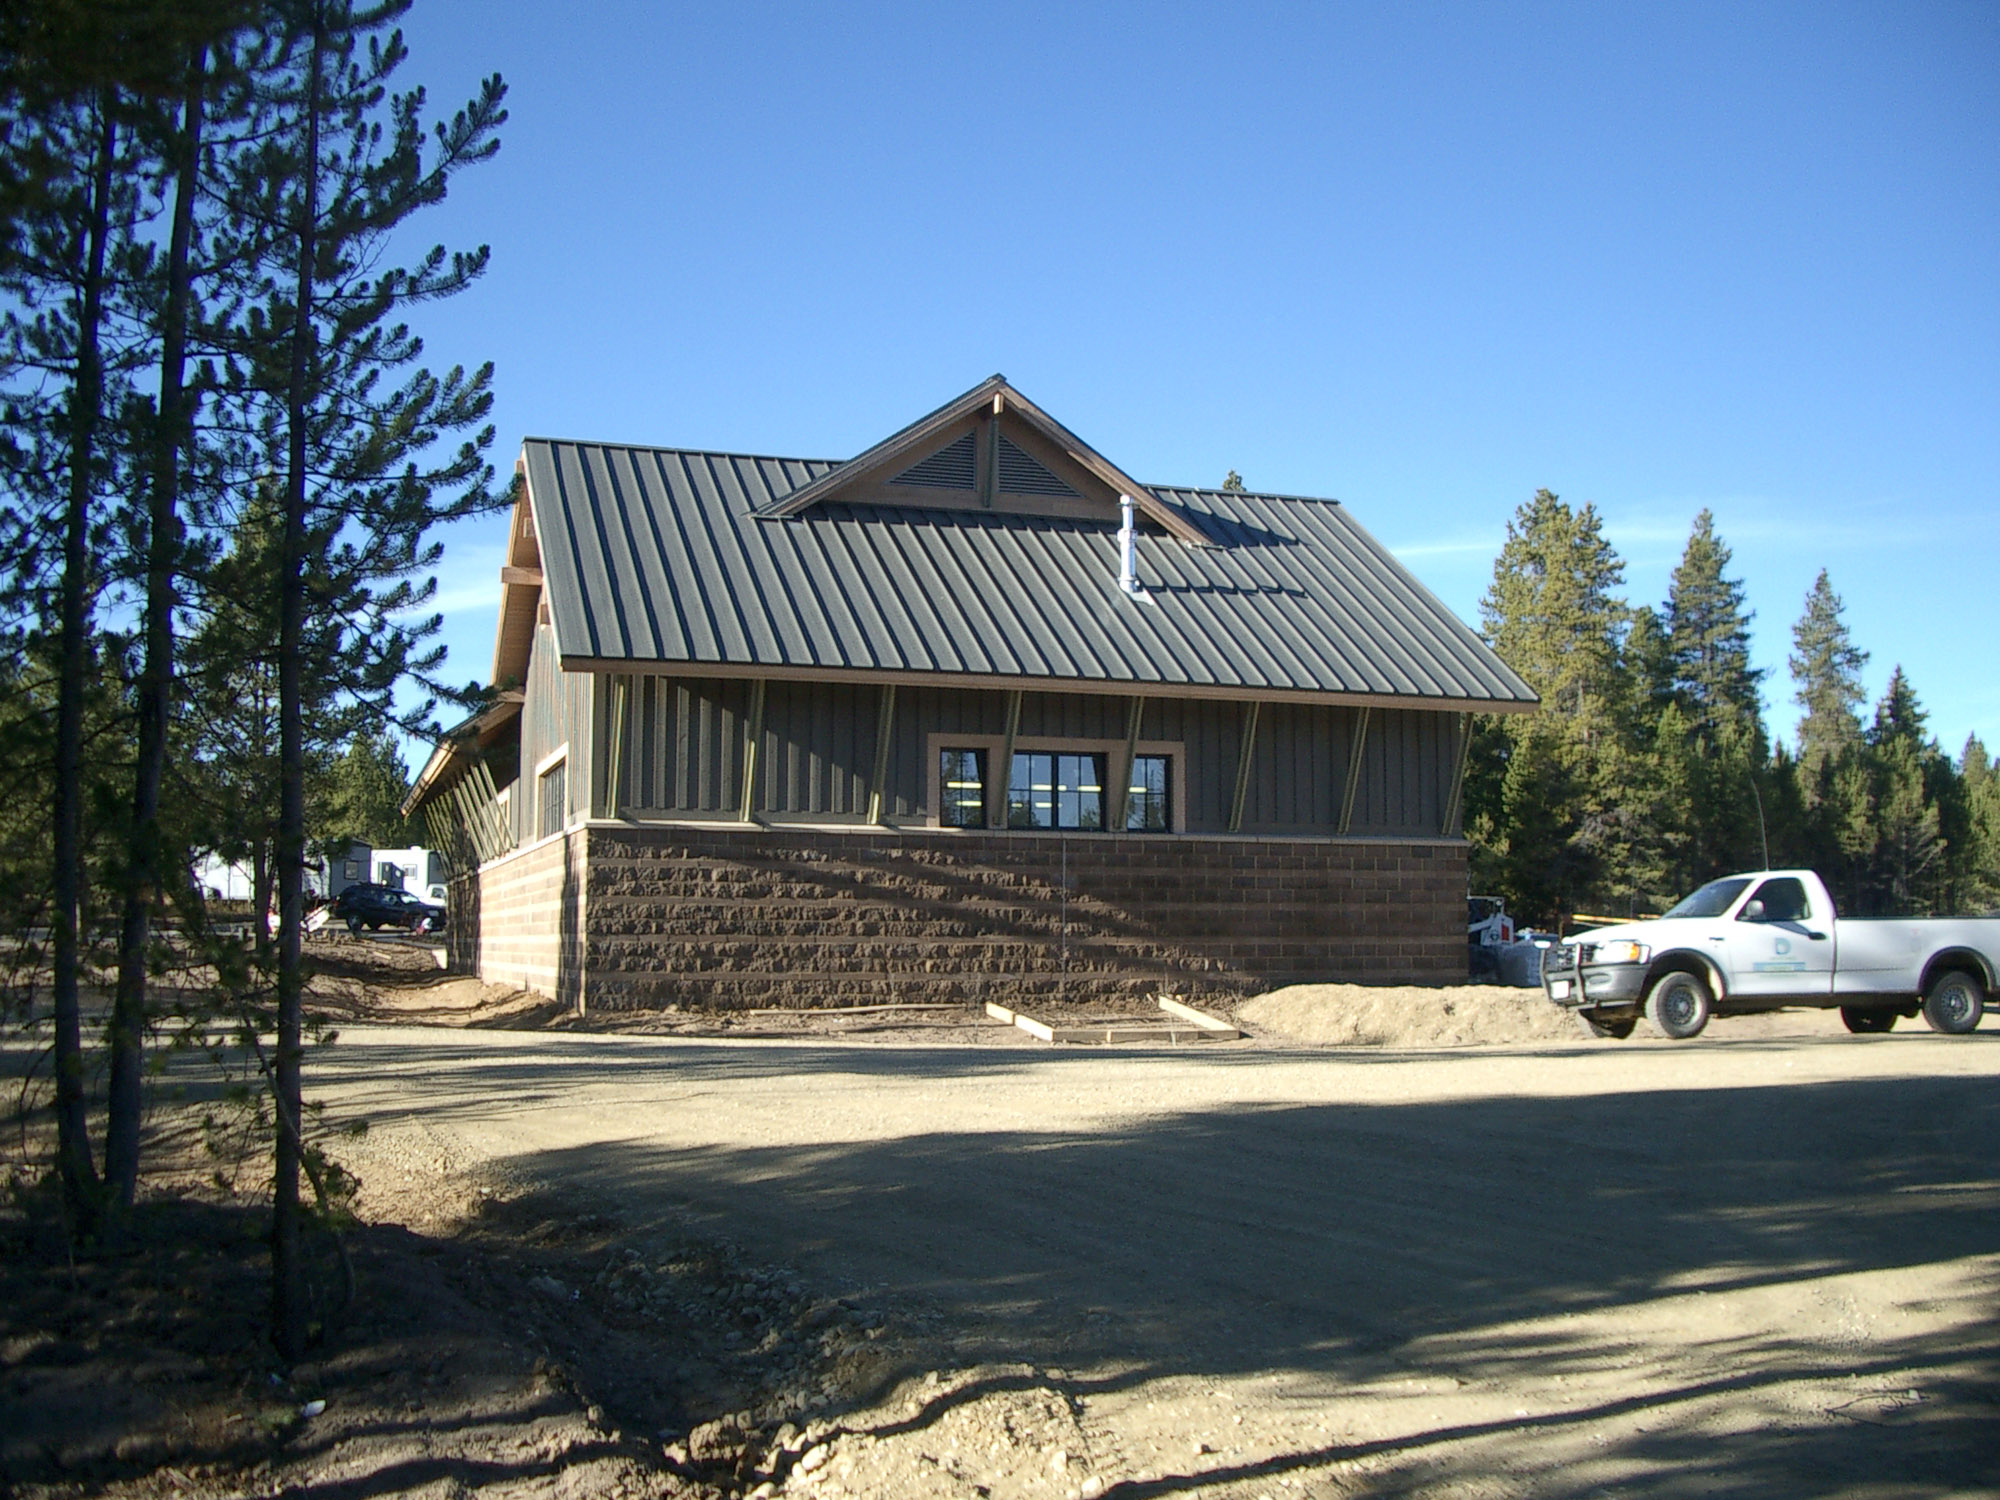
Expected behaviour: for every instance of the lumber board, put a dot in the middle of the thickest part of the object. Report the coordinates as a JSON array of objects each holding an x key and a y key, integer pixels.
[
  {"x": 1200, "y": 1018},
  {"x": 852, "y": 1010},
  {"x": 1131, "y": 1032}
]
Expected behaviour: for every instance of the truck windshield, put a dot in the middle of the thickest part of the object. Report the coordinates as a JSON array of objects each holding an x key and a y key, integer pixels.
[{"x": 1712, "y": 900}]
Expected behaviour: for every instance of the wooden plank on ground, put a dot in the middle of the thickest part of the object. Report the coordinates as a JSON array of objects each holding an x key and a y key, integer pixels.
[
  {"x": 1129, "y": 1032},
  {"x": 852, "y": 1010},
  {"x": 1034, "y": 1028},
  {"x": 1222, "y": 1029},
  {"x": 1192, "y": 1026}
]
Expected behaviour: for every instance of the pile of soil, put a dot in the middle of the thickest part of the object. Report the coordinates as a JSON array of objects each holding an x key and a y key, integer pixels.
[{"x": 1359, "y": 1015}]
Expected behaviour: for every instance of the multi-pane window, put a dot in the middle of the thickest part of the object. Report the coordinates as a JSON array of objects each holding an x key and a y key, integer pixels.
[
  {"x": 1146, "y": 795},
  {"x": 962, "y": 788},
  {"x": 552, "y": 798},
  {"x": 1053, "y": 790}
]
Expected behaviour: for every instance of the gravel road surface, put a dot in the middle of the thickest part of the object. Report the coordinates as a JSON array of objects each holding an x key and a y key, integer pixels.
[{"x": 1757, "y": 1266}]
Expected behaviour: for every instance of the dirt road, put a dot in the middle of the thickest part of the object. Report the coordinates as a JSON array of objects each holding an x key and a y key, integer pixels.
[{"x": 1767, "y": 1266}]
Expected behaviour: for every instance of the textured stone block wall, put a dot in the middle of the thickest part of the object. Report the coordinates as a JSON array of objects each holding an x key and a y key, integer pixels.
[
  {"x": 734, "y": 917},
  {"x": 521, "y": 922}
]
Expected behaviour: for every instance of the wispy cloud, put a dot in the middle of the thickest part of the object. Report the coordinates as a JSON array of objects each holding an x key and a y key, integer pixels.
[
  {"x": 1853, "y": 526},
  {"x": 468, "y": 578},
  {"x": 1488, "y": 545}
]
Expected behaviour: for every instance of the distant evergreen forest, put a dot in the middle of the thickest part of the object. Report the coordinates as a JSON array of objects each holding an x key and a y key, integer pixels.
[{"x": 1649, "y": 768}]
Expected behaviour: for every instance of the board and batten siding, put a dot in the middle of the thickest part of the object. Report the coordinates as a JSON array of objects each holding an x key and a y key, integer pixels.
[
  {"x": 557, "y": 712},
  {"x": 684, "y": 742}
]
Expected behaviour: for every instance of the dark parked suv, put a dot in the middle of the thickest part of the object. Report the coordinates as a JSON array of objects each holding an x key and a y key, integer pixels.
[{"x": 372, "y": 906}]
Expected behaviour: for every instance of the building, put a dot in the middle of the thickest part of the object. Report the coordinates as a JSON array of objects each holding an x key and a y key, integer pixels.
[{"x": 971, "y": 714}]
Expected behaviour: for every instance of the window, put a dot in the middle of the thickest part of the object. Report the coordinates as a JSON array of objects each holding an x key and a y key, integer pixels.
[
  {"x": 1146, "y": 795},
  {"x": 1712, "y": 900},
  {"x": 962, "y": 788},
  {"x": 552, "y": 798},
  {"x": 1051, "y": 790},
  {"x": 1784, "y": 900}
]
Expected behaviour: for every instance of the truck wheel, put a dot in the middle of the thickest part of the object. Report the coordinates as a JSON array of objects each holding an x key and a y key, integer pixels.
[
  {"x": 354, "y": 926},
  {"x": 1864, "y": 1020},
  {"x": 1679, "y": 1004},
  {"x": 1954, "y": 1003},
  {"x": 1617, "y": 1028}
]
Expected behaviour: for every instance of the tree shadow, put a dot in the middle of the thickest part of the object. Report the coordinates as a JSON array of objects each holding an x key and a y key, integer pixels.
[{"x": 1350, "y": 1243}]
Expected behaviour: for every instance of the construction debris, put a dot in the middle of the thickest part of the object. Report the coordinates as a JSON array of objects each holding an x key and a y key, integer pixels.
[{"x": 1187, "y": 1025}]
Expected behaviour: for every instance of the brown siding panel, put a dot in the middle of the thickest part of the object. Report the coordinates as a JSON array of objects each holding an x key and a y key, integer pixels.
[{"x": 685, "y": 739}]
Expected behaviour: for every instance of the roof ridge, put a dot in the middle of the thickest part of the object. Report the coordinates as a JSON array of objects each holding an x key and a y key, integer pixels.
[
  {"x": 837, "y": 463},
  {"x": 1201, "y": 489},
  {"x": 772, "y": 458}
]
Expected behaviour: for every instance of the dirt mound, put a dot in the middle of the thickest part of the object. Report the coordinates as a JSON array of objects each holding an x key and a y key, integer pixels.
[{"x": 1362, "y": 1015}]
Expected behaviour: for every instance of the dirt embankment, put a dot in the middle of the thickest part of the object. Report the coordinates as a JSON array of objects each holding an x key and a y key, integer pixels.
[{"x": 1355, "y": 1015}]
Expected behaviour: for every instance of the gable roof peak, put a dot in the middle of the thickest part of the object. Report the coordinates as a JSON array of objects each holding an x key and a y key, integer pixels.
[{"x": 993, "y": 398}]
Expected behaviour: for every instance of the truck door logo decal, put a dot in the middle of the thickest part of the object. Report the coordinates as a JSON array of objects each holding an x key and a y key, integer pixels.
[{"x": 1781, "y": 964}]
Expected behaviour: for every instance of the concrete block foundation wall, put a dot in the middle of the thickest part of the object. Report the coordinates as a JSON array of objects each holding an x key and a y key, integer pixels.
[
  {"x": 737, "y": 916},
  {"x": 519, "y": 921}
]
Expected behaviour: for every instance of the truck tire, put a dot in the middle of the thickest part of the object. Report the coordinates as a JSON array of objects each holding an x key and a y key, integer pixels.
[
  {"x": 1954, "y": 1003},
  {"x": 354, "y": 926},
  {"x": 1617, "y": 1028},
  {"x": 1678, "y": 1005},
  {"x": 1865, "y": 1020}
]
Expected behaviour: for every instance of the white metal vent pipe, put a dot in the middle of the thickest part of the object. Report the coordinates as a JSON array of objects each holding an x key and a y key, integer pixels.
[{"x": 1128, "y": 556}]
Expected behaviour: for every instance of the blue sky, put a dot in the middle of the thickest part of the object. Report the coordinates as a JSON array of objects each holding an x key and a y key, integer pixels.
[{"x": 1423, "y": 259}]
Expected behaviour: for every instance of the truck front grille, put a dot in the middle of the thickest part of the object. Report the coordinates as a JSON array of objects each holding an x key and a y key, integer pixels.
[{"x": 1566, "y": 958}]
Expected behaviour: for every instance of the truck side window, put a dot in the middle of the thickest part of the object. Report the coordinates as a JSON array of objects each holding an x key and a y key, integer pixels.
[{"x": 1784, "y": 900}]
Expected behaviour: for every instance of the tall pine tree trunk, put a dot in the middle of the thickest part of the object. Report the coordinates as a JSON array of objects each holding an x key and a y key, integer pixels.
[
  {"x": 288, "y": 1305},
  {"x": 86, "y": 409},
  {"x": 145, "y": 870}
]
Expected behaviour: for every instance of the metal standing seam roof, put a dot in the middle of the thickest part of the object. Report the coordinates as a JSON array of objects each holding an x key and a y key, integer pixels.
[{"x": 658, "y": 557}]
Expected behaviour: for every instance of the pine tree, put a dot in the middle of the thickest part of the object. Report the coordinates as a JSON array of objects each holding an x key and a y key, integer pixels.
[
  {"x": 1826, "y": 671},
  {"x": 342, "y": 167},
  {"x": 1708, "y": 637},
  {"x": 1978, "y": 877},
  {"x": 174, "y": 295},
  {"x": 1553, "y": 612},
  {"x": 1650, "y": 664},
  {"x": 74, "y": 238},
  {"x": 1906, "y": 864},
  {"x": 1702, "y": 660},
  {"x": 1547, "y": 812},
  {"x": 229, "y": 731},
  {"x": 360, "y": 797}
]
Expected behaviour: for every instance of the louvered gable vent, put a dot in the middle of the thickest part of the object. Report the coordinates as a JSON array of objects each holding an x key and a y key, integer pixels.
[
  {"x": 952, "y": 467},
  {"x": 1022, "y": 474}
]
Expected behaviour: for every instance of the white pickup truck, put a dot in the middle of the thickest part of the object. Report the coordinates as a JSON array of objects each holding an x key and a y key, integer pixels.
[{"x": 1768, "y": 940}]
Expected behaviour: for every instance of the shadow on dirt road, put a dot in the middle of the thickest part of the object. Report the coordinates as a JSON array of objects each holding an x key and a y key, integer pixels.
[{"x": 1482, "y": 1242}]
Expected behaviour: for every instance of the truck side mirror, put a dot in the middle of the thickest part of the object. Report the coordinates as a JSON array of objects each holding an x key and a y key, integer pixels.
[{"x": 1753, "y": 911}]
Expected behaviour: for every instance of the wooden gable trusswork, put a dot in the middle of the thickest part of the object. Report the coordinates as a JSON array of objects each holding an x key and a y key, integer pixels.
[
  {"x": 991, "y": 449},
  {"x": 520, "y": 593}
]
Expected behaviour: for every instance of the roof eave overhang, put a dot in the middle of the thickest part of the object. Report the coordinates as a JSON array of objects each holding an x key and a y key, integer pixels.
[
  {"x": 1228, "y": 692},
  {"x": 993, "y": 394},
  {"x": 470, "y": 734}
]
